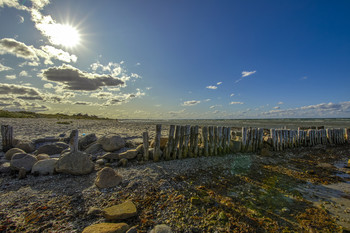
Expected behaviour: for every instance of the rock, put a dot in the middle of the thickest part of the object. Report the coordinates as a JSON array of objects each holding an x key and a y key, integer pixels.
[
  {"x": 195, "y": 201},
  {"x": 162, "y": 228},
  {"x": 123, "y": 162},
  {"x": 107, "y": 178},
  {"x": 94, "y": 148},
  {"x": 348, "y": 163},
  {"x": 107, "y": 228},
  {"x": 163, "y": 142},
  {"x": 5, "y": 168},
  {"x": 44, "y": 167},
  {"x": 94, "y": 211},
  {"x": 51, "y": 149},
  {"x": 42, "y": 156},
  {"x": 75, "y": 163},
  {"x": 11, "y": 152},
  {"x": 111, "y": 142},
  {"x": 111, "y": 156},
  {"x": 100, "y": 161},
  {"x": 140, "y": 149},
  {"x": 87, "y": 140},
  {"x": 27, "y": 146},
  {"x": 25, "y": 161},
  {"x": 46, "y": 140},
  {"x": 325, "y": 166},
  {"x": 132, "y": 230},
  {"x": 121, "y": 211},
  {"x": 22, "y": 173},
  {"x": 235, "y": 146},
  {"x": 265, "y": 152},
  {"x": 129, "y": 154}
]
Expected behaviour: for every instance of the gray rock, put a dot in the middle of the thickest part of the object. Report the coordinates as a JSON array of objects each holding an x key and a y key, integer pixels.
[
  {"x": 122, "y": 162},
  {"x": 51, "y": 149},
  {"x": 111, "y": 142},
  {"x": 42, "y": 156},
  {"x": 87, "y": 140},
  {"x": 107, "y": 178},
  {"x": 100, "y": 161},
  {"x": 22, "y": 173},
  {"x": 162, "y": 228},
  {"x": 130, "y": 154},
  {"x": 139, "y": 149},
  {"x": 94, "y": 149},
  {"x": 94, "y": 211},
  {"x": 132, "y": 230},
  {"x": 75, "y": 163},
  {"x": 121, "y": 211},
  {"x": 25, "y": 161},
  {"x": 44, "y": 167},
  {"x": 5, "y": 168},
  {"x": 11, "y": 152},
  {"x": 111, "y": 156},
  {"x": 27, "y": 146}
]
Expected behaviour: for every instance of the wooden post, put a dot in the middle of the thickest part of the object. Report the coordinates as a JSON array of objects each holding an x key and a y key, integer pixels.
[
  {"x": 7, "y": 137},
  {"x": 224, "y": 139},
  {"x": 195, "y": 141},
  {"x": 280, "y": 140},
  {"x": 244, "y": 138},
  {"x": 211, "y": 140},
  {"x": 176, "y": 141},
  {"x": 145, "y": 146},
  {"x": 156, "y": 153},
  {"x": 74, "y": 140},
  {"x": 170, "y": 143},
  {"x": 216, "y": 140},
  {"x": 261, "y": 138},
  {"x": 186, "y": 140},
  {"x": 228, "y": 141},
  {"x": 205, "y": 140},
  {"x": 273, "y": 138},
  {"x": 220, "y": 151},
  {"x": 181, "y": 141}
]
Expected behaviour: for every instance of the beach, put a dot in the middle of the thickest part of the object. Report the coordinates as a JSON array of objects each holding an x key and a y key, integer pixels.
[{"x": 301, "y": 189}]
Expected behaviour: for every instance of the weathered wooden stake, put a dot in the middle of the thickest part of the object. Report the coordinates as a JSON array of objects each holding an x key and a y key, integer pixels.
[
  {"x": 176, "y": 141},
  {"x": 170, "y": 143},
  {"x": 195, "y": 141},
  {"x": 211, "y": 140},
  {"x": 181, "y": 141},
  {"x": 186, "y": 140},
  {"x": 7, "y": 137},
  {"x": 205, "y": 140},
  {"x": 74, "y": 140},
  {"x": 156, "y": 153},
  {"x": 216, "y": 140},
  {"x": 145, "y": 146},
  {"x": 244, "y": 138},
  {"x": 228, "y": 141}
]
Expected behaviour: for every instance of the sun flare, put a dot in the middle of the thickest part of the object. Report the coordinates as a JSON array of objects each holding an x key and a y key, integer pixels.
[{"x": 65, "y": 35}]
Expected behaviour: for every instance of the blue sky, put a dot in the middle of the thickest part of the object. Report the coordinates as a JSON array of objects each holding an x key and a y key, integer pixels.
[{"x": 176, "y": 59}]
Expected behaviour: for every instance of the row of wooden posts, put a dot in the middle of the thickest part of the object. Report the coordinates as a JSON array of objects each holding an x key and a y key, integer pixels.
[{"x": 187, "y": 141}]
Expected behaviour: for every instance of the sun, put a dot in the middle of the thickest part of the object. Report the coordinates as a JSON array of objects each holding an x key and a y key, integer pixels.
[{"x": 65, "y": 35}]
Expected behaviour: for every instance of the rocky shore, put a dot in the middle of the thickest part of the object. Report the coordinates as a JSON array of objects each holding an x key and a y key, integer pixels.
[{"x": 104, "y": 186}]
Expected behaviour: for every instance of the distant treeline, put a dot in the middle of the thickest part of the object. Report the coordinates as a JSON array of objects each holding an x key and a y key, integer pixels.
[{"x": 25, "y": 114}]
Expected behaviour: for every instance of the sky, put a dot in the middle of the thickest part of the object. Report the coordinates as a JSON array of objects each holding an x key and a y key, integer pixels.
[{"x": 193, "y": 59}]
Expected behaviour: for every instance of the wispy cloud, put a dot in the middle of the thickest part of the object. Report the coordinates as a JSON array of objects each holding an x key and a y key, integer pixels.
[
  {"x": 218, "y": 83},
  {"x": 245, "y": 74},
  {"x": 280, "y": 103},
  {"x": 277, "y": 107},
  {"x": 11, "y": 77},
  {"x": 4, "y": 68},
  {"x": 232, "y": 95},
  {"x": 233, "y": 102},
  {"x": 23, "y": 73},
  {"x": 212, "y": 87},
  {"x": 191, "y": 102}
]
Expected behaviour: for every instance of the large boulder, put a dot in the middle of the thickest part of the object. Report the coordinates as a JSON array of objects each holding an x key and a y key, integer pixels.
[
  {"x": 5, "y": 168},
  {"x": 11, "y": 152},
  {"x": 51, "y": 149},
  {"x": 75, "y": 163},
  {"x": 129, "y": 154},
  {"x": 42, "y": 156},
  {"x": 121, "y": 211},
  {"x": 87, "y": 140},
  {"x": 45, "y": 167},
  {"x": 111, "y": 142},
  {"x": 27, "y": 146},
  {"x": 94, "y": 149},
  {"x": 21, "y": 160},
  {"x": 107, "y": 178},
  {"x": 107, "y": 228}
]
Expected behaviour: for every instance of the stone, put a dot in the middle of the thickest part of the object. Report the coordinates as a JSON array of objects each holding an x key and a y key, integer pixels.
[
  {"x": 107, "y": 228},
  {"x": 265, "y": 152},
  {"x": 46, "y": 140},
  {"x": 42, "y": 156},
  {"x": 122, "y": 162},
  {"x": 111, "y": 142},
  {"x": 22, "y": 173},
  {"x": 132, "y": 230},
  {"x": 163, "y": 143},
  {"x": 139, "y": 149},
  {"x": 94, "y": 211},
  {"x": 111, "y": 156},
  {"x": 129, "y": 154},
  {"x": 162, "y": 228},
  {"x": 27, "y": 146},
  {"x": 348, "y": 163},
  {"x": 51, "y": 149},
  {"x": 94, "y": 148},
  {"x": 100, "y": 161},
  {"x": 11, "y": 152},
  {"x": 5, "y": 168},
  {"x": 195, "y": 201},
  {"x": 25, "y": 161},
  {"x": 44, "y": 167},
  {"x": 107, "y": 178},
  {"x": 121, "y": 211},
  {"x": 75, "y": 163},
  {"x": 87, "y": 140}
]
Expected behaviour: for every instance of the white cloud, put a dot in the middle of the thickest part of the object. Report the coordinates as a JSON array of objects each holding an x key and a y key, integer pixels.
[
  {"x": 232, "y": 95},
  {"x": 212, "y": 87},
  {"x": 4, "y": 68},
  {"x": 59, "y": 54},
  {"x": 213, "y": 106},
  {"x": 247, "y": 73},
  {"x": 48, "y": 85},
  {"x": 23, "y": 73},
  {"x": 280, "y": 103},
  {"x": 207, "y": 100},
  {"x": 11, "y": 77},
  {"x": 191, "y": 102},
  {"x": 218, "y": 83},
  {"x": 277, "y": 107},
  {"x": 20, "y": 19},
  {"x": 236, "y": 102}
]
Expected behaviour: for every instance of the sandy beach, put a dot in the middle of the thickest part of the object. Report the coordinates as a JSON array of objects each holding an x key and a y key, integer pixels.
[{"x": 297, "y": 190}]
